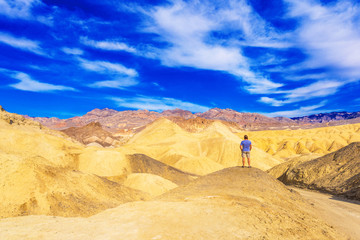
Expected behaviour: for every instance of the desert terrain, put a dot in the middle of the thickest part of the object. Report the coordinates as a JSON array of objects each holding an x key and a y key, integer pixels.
[{"x": 175, "y": 179}]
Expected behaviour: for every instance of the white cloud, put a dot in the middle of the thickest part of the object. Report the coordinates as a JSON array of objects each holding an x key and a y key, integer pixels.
[
  {"x": 22, "y": 9},
  {"x": 72, "y": 51},
  {"x": 314, "y": 76},
  {"x": 17, "y": 8},
  {"x": 108, "y": 45},
  {"x": 317, "y": 89},
  {"x": 271, "y": 101},
  {"x": 158, "y": 104},
  {"x": 330, "y": 35},
  {"x": 118, "y": 75},
  {"x": 120, "y": 83},
  {"x": 21, "y": 43},
  {"x": 302, "y": 111},
  {"x": 107, "y": 68},
  {"x": 314, "y": 90},
  {"x": 188, "y": 28},
  {"x": 28, "y": 84}
]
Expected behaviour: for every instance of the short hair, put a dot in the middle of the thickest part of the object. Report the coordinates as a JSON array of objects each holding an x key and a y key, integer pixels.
[{"x": 246, "y": 137}]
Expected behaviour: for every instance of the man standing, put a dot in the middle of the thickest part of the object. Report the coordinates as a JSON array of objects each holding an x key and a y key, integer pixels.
[{"x": 245, "y": 147}]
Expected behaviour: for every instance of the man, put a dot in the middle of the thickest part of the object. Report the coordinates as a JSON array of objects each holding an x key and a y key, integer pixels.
[{"x": 245, "y": 147}]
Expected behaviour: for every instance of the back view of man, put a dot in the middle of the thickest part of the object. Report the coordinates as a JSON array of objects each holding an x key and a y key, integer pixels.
[{"x": 245, "y": 147}]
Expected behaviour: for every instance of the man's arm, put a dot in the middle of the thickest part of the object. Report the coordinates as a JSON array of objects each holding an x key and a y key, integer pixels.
[
  {"x": 241, "y": 147},
  {"x": 250, "y": 147}
]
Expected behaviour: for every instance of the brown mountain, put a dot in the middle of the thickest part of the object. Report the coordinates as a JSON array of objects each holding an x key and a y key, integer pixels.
[
  {"x": 337, "y": 172},
  {"x": 253, "y": 121},
  {"x": 131, "y": 121}
]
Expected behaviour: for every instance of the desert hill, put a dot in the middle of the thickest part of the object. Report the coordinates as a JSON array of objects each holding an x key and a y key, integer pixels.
[
  {"x": 230, "y": 204},
  {"x": 137, "y": 171},
  {"x": 212, "y": 149},
  {"x": 31, "y": 186},
  {"x": 286, "y": 143},
  {"x": 43, "y": 172},
  {"x": 337, "y": 173},
  {"x": 92, "y": 134}
]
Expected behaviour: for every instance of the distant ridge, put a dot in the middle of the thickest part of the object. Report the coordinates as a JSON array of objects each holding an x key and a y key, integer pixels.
[
  {"x": 327, "y": 117},
  {"x": 131, "y": 120}
]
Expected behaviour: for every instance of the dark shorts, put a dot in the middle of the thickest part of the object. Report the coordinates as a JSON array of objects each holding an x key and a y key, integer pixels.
[{"x": 245, "y": 154}]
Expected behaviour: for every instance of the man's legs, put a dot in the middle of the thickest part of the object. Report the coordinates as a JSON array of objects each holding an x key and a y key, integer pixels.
[
  {"x": 248, "y": 158},
  {"x": 243, "y": 160}
]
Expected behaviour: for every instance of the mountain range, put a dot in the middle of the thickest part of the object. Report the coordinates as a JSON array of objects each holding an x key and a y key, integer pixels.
[
  {"x": 129, "y": 122},
  {"x": 327, "y": 117}
]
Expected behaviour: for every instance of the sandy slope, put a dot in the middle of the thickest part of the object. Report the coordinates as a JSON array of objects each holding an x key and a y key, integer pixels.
[
  {"x": 212, "y": 149},
  {"x": 233, "y": 203},
  {"x": 337, "y": 172},
  {"x": 285, "y": 143},
  {"x": 340, "y": 213}
]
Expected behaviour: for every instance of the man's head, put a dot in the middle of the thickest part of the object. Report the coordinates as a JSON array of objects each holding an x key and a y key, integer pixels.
[{"x": 246, "y": 137}]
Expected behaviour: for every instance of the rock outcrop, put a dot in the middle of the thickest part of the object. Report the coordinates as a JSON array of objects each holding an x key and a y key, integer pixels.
[
  {"x": 337, "y": 173},
  {"x": 93, "y": 133}
]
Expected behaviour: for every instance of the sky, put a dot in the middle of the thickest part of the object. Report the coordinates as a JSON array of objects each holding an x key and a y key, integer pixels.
[{"x": 62, "y": 58}]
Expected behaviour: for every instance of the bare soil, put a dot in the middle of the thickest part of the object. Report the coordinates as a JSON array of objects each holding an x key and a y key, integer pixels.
[{"x": 342, "y": 214}]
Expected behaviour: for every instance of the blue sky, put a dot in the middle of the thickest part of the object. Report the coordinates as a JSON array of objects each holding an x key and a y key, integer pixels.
[{"x": 275, "y": 57}]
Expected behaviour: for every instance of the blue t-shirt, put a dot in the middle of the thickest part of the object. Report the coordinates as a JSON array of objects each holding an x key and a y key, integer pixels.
[{"x": 246, "y": 145}]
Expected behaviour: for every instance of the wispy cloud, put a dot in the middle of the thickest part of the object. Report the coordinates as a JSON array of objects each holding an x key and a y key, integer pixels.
[
  {"x": 302, "y": 111},
  {"x": 188, "y": 27},
  {"x": 21, "y": 43},
  {"x": 119, "y": 83},
  {"x": 118, "y": 75},
  {"x": 108, "y": 45},
  {"x": 158, "y": 104},
  {"x": 330, "y": 35},
  {"x": 107, "y": 67},
  {"x": 315, "y": 90},
  {"x": 272, "y": 101},
  {"x": 17, "y": 8},
  {"x": 22, "y": 9},
  {"x": 72, "y": 51},
  {"x": 314, "y": 76},
  {"x": 28, "y": 84}
]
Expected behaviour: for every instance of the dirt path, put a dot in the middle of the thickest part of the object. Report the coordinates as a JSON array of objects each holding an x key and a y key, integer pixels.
[{"x": 342, "y": 214}]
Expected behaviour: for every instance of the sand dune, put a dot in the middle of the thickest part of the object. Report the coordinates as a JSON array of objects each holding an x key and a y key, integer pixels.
[{"x": 230, "y": 204}]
